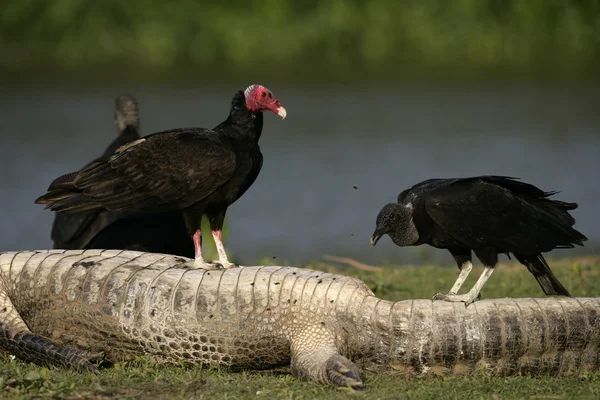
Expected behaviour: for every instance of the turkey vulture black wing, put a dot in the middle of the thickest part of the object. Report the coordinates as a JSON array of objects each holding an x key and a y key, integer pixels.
[
  {"x": 74, "y": 231},
  {"x": 159, "y": 172}
]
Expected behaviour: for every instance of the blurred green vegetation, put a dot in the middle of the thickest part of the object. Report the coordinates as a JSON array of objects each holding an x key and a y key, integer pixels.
[{"x": 316, "y": 38}]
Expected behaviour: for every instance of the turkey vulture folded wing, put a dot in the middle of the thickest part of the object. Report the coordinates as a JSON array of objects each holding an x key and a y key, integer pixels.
[
  {"x": 148, "y": 174},
  {"x": 75, "y": 231}
]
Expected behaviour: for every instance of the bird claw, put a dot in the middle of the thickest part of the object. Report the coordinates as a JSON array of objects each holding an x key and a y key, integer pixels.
[
  {"x": 439, "y": 296},
  {"x": 455, "y": 298},
  {"x": 225, "y": 264},
  {"x": 207, "y": 266},
  {"x": 210, "y": 266}
]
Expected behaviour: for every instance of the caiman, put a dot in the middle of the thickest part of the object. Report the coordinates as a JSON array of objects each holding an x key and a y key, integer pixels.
[{"x": 81, "y": 308}]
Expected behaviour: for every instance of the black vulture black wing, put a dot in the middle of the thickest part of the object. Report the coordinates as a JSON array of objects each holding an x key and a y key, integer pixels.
[
  {"x": 167, "y": 170},
  {"x": 481, "y": 212},
  {"x": 418, "y": 187}
]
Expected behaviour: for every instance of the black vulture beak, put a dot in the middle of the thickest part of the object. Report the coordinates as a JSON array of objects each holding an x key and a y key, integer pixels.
[{"x": 375, "y": 238}]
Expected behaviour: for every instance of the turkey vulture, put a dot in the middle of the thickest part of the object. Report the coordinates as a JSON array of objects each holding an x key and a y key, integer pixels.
[
  {"x": 156, "y": 232},
  {"x": 488, "y": 215},
  {"x": 199, "y": 171}
]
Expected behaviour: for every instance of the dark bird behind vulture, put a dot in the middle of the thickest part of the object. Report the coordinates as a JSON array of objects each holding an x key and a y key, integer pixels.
[
  {"x": 156, "y": 232},
  {"x": 199, "y": 171},
  {"x": 488, "y": 215}
]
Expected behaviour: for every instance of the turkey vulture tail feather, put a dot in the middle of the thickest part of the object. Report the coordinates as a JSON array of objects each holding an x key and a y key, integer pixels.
[
  {"x": 64, "y": 182},
  {"x": 67, "y": 201}
]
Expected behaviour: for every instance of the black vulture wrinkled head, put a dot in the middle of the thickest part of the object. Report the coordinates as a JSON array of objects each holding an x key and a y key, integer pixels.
[{"x": 396, "y": 221}]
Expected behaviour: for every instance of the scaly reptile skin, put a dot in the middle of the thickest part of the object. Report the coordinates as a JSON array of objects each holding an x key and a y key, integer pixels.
[{"x": 72, "y": 307}]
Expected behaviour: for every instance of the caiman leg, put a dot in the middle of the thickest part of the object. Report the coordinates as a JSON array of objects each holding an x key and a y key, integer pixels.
[
  {"x": 472, "y": 294},
  {"x": 16, "y": 338},
  {"x": 314, "y": 356}
]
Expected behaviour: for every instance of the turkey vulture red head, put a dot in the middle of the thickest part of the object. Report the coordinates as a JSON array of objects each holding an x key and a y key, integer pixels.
[{"x": 259, "y": 98}]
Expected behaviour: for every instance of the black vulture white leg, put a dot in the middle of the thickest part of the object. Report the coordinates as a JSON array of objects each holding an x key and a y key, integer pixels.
[
  {"x": 472, "y": 294},
  {"x": 465, "y": 270},
  {"x": 463, "y": 261}
]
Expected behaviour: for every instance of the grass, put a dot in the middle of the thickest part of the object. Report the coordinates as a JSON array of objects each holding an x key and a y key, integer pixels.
[{"x": 143, "y": 379}]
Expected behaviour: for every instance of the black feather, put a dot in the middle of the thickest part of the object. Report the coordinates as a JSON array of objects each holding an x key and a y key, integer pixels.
[
  {"x": 490, "y": 215},
  {"x": 195, "y": 170},
  {"x": 160, "y": 232}
]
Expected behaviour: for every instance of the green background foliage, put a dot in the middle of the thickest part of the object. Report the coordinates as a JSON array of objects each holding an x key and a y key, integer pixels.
[{"x": 318, "y": 38}]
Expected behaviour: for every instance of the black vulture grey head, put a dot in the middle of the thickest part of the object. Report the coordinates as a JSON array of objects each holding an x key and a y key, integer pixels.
[{"x": 396, "y": 221}]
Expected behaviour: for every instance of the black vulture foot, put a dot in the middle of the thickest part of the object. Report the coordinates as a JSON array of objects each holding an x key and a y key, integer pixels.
[{"x": 466, "y": 298}]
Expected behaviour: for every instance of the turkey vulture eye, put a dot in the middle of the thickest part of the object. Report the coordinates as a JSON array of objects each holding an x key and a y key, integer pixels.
[{"x": 263, "y": 94}]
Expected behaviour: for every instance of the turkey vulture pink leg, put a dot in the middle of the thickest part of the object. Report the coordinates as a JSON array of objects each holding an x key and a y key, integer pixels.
[
  {"x": 223, "y": 260},
  {"x": 199, "y": 262},
  {"x": 198, "y": 247}
]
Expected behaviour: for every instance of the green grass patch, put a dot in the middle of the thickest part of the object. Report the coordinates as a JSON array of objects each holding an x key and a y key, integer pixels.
[
  {"x": 580, "y": 276},
  {"x": 144, "y": 379}
]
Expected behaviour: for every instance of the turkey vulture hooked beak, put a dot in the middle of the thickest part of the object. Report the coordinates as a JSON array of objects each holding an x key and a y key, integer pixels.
[
  {"x": 281, "y": 112},
  {"x": 259, "y": 98}
]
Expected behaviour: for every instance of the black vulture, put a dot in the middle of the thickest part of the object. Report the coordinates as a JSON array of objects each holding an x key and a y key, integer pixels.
[{"x": 488, "y": 215}]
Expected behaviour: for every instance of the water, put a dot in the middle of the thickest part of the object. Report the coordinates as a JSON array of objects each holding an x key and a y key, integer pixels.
[{"x": 304, "y": 204}]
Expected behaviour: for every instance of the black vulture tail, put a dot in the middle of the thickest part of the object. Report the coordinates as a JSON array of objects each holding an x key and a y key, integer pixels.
[{"x": 538, "y": 266}]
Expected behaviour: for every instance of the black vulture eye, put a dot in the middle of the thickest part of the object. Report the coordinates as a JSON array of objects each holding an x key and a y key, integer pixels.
[{"x": 263, "y": 94}]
